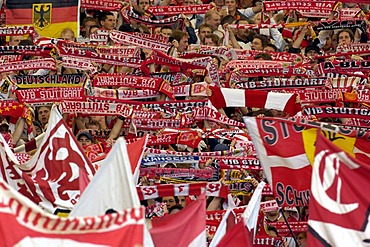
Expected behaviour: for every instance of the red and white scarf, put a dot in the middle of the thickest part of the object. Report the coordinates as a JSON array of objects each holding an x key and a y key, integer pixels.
[
  {"x": 123, "y": 51},
  {"x": 47, "y": 63},
  {"x": 131, "y": 39},
  {"x": 157, "y": 84},
  {"x": 25, "y": 50},
  {"x": 337, "y": 112},
  {"x": 276, "y": 56},
  {"x": 128, "y": 14},
  {"x": 208, "y": 154},
  {"x": 175, "y": 10},
  {"x": 216, "y": 189},
  {"x": 41, "y": 95},
  {"x": 282, "y": 83},
  {"x": 17, "y": 30},
  {"x": 95, "y": 108},
  {"x": 106, "y": 5},
  {"x": 226, "y": 97},
  {"x": 79, "y": 63},
  {"x": 100, "y": 58},
  {"x": 298, "y": 5}
]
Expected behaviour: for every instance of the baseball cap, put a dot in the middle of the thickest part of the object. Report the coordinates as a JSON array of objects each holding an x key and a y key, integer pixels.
[{"x": 85, "y": 133}]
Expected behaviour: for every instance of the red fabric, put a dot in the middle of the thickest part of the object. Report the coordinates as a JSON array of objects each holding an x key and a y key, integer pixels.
[
  {"x": 237, "y": 236},
  {"x": 183, "y": 227},
  {"x": 135, "y": 151},
  {"x": 83, "y": 180}
]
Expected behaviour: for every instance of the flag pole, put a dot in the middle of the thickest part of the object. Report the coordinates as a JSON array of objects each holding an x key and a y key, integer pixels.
[{"x": 290, "y": 229}]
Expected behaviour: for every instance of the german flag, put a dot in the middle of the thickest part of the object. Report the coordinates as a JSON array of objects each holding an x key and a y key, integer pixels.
[{"x": 49, "y": 17}]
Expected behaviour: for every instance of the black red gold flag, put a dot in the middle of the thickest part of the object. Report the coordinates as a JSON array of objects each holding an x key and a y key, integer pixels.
[{"x": 49, "y": 17}]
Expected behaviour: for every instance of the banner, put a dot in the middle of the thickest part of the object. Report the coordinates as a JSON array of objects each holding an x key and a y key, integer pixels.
[
  {"x": 337, "y": 112},
  {"x": 41, "y": 95},
  {"x": 175, "y": 10},
  {"x": 163, "y": 159},
  {"x": 282, "y": 83},
  {"x": 48, "y": 18},
  {"x": 339, "y": 203},
  {"x": 286, "y": 151},
  {"x": 43, "y": 81},
  {"x": 50, "y": 178}
]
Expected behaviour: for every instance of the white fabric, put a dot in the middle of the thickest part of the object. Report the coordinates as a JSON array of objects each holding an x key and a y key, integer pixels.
[
  {"x": 277, "y": 101},
  {"x": 234, "y": 97},
  {"x": 250, "y": 215},
  {"x": 111, "y": 187}
]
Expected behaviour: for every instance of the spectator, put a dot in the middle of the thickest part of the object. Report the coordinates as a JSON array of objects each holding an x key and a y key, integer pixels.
[
  {"x": 68, "y": 34},
  {"x": 259, "y": 42},
  {"x": 211, "y": 40},
  {"x": 85, "y": 138},
  {"x": 204, "y": 29},
  {"x": 233, "y": 11},
  {"x": 166, "y": 31},
  {"x": 43, "y": 113},
  {"x": 86, "y": 24},
  {"x": 107, "y": 20},
  {"x": 15, "y": 40},
  {"x": 213, "y": 18},
  {"x": 180, "y": 40},
  {"x": 345, "y": 37},
  {"x": 302, "y": 239}
]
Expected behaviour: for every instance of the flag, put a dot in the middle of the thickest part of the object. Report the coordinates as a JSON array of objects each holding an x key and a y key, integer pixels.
[
  {"x": 111, "y": 187},
  {"x": 135, "y": 152},
  {"x": 22, "y": 223},
  {"x": 84, "y": 180},
  {"x": 229, "y": 97},
  {"x": 237, "y": 236},
  {"x": 249, "y": 216},
  {"x": 286, "y": 149},
  {"x": 222, "y": 228},
  {"x": 185, "y": 228},
  {"x": 340, "y": 202},
  {"x": 51, "y": 177},
  {"x": 48, "y": 18}
]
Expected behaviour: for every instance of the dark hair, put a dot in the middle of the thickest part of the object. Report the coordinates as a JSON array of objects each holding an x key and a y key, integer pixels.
[
  {"x": 26, "y": 42},
  {"x": 177, "y": 206},
  {"x": 104, "y": 15},
  {"x": 272, "y": 228},
  {"x": 87, "y": 19},
  {"x": 227, "y": 19},
  {"x": 166, "y": 27},
  {"x": 263, "y": 38},
  {"x": 94, "y": 26},
  {"x": 214, "y": 37},
  {"x": 263, "y": 55},
  {"x": 178, "y": 35},
  {"x": 272, "y": 46},
  {"x": 349, "y": 31}
]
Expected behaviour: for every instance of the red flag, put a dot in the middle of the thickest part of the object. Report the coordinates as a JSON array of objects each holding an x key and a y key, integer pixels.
[
  {"x": 339, "y": 203},
  {"x": 185, "y": 228},
  {"x": 111, "y": 187},
  {"x": 83, "y": 181},
  {"x": 135, "y": 152},
  {"x": 50, "y": 178},
  {"x": 286, "y": 150},
  {"x": 22, "y": 223},
  {"x": 237, "y": 236}
]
